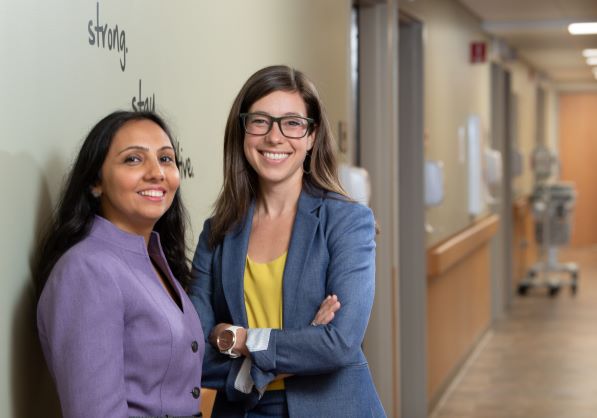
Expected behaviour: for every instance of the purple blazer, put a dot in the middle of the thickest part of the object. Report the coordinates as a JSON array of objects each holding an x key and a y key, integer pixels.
[{"x": 115, "y": 342}]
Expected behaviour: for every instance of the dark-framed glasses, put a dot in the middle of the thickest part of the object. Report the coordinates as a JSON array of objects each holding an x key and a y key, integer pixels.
[{"x": 295, "y": 127}]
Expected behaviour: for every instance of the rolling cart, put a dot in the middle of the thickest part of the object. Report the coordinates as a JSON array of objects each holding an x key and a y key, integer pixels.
[{"x": 553, "y": 205}]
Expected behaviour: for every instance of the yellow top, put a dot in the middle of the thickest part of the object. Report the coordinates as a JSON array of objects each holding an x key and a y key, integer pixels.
[{"x": 263, "y": 297}]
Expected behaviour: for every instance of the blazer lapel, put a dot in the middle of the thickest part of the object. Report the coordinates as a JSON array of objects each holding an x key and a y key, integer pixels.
[
  {"x": 234, "y": 254},
  {"x": 303, "y": 232}
]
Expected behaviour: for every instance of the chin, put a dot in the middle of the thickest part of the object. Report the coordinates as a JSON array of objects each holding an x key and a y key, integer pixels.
[{"x": 150, "y": 218}]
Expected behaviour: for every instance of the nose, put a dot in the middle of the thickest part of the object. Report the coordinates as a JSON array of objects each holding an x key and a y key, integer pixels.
[
  {"x": 275, "y": 135},
  {"x": 155, "y": 171}
]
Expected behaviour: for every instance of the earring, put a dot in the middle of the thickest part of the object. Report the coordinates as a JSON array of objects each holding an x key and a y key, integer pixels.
[
  {"x": 96, "y": 193},
  {"x": 307, "y": 163}
]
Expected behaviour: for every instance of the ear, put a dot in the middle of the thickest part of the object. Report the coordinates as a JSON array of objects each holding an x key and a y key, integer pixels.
[{"x": 311, "y": 139}]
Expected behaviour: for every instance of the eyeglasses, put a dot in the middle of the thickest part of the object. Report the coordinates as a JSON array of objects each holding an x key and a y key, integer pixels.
[{"x": 291, "y": 126}]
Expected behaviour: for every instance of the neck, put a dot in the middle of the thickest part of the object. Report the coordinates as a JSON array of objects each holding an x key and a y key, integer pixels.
[
  {"x": 146, "y": 238},
  {"x": 142, "y": 230},
  {"x": 278, "y": 199}
]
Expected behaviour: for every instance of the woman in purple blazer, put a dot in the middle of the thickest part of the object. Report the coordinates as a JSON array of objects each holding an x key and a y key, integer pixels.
[{"x": 120, "y": 336}]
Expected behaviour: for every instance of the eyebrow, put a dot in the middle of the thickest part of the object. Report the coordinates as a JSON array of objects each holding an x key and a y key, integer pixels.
[
  {"x": 140, "y": 148},
  {"x": 260, "y": 112}
]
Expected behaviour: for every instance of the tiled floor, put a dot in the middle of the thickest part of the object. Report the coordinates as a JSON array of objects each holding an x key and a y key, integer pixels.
[{"x": 540, "y": 361}]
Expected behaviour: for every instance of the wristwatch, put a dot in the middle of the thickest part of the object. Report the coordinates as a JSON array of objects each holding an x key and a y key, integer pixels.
[{"x": 226, "y": 340}]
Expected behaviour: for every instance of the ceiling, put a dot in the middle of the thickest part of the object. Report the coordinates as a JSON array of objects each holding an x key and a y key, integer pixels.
[{"x": 537, "y": 31}]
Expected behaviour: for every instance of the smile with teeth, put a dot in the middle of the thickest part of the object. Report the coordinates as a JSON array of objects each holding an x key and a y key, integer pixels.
[
  {"x": 152, "y": 193},
  {"x": 275, "y": 155}
]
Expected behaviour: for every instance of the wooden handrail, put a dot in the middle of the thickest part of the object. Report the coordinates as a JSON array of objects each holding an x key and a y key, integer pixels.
[
  {"x": 521, "y": 206},
  {"x": 449, "y": 252}
]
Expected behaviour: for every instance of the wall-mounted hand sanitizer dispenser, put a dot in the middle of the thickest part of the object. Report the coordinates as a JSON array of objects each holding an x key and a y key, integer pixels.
[
  {"x": 434, "y": 183},
  {"x": 476, "y": 199},
  {"x": 355, "y": 181},
  {"x": 493, "y": 167}
]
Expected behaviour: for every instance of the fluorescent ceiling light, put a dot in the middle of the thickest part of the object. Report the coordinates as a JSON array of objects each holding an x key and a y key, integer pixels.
[
  {"x": 592, "y": 61},
  {"x": 585, "y": 28},
  {"x": 587, "y": 53}
]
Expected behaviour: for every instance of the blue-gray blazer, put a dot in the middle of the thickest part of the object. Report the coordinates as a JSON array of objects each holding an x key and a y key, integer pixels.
[{"x": 331, "y": 251}]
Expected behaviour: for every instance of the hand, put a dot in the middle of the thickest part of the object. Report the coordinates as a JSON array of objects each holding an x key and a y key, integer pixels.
[
  {"x": 327, "y": 311},
  {"x": 213, "y": 335}
]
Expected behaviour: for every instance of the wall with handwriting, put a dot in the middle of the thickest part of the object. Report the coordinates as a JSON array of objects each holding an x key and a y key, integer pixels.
[{"x": 65, "y": 64}]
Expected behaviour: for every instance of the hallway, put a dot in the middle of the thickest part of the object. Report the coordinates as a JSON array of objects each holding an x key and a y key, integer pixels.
[{"x": 540, "y": 361}]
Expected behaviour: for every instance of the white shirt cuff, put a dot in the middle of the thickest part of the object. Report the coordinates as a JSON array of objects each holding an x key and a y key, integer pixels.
[
  {"x": 244, "y": 382},
  {"x": 258, "y": 339}
]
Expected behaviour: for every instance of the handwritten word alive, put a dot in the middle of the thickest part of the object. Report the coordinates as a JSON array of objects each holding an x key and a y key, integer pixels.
[
  {"x": 185, "y": 166},
  {"x": 140, "y": 104}
]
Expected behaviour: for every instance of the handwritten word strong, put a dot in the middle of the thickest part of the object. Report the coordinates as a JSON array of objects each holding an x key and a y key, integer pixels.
[{"x": 111, "y": 38}]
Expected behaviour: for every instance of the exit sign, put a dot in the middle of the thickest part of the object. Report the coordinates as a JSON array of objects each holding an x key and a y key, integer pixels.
[{"x": 478, "y": 52}]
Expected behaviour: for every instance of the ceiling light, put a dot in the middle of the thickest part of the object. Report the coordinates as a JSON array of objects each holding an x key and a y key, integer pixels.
[
  {"x": 592, "y": 61},
  {"x": 585, "y": 28},
  {"x": 587, "y": 53}
]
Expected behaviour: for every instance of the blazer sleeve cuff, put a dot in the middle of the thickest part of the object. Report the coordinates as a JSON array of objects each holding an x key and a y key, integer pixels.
[{"x": 240, "y": 386}]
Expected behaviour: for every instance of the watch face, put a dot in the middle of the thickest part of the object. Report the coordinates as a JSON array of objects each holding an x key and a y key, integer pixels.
[{"x": 225, "y": 340}]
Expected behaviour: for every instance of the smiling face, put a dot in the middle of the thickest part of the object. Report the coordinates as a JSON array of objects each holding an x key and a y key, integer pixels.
[
  {"x": 275, "y": 158},
  {"x": 139, "y": 177}
]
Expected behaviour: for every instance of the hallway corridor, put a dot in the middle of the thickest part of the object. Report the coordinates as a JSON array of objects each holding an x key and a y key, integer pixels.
[{"x": 540, "y": 361}]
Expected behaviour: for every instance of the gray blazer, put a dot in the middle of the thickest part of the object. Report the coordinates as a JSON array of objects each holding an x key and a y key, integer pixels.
[{"x": 332, "y": 251}]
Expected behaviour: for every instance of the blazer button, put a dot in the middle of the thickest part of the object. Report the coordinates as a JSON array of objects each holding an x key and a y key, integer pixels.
[
  {"x": 195, "y": 346},
  {"x": 195, "y": 392}
]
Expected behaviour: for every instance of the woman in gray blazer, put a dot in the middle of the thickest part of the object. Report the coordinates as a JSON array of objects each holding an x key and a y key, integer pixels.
[
  {"x": 284, "y": 236},
  {"x": 120, "y": 336}
]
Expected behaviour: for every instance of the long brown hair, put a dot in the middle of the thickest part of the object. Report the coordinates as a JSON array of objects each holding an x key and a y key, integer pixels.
[{"x": 241, "y": 184}]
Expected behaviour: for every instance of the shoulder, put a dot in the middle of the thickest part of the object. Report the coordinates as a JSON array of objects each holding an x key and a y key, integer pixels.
[
  {"x": 85, "y": 279},
  {"x": 91, "y": 252},
  {"x": 90, "y": 262},
  {"x": 205, "y": 235},
  {"x": 338, "y": 209},
  {"x": 337, "y": 201},
  {"x": 340, "y": 218}
]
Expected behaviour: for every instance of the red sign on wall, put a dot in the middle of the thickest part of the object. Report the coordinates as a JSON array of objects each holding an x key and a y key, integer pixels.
[{"x": 478, "y": 52}]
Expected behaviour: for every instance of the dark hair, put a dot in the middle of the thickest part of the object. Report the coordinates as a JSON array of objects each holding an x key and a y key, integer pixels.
[
  {"x": 77, "y": 207},
  {"x": 241, "y": 185}
]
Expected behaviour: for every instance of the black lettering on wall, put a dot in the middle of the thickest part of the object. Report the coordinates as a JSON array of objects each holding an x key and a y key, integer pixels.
[
  {"x": 140, "y": 104},
  {"x": 185, "y": 166},
  {"x": 116, "y": 39}
]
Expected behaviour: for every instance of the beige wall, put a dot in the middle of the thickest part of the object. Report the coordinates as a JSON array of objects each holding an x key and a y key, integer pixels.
[
  {"x": 193, "y": 55},
  {"x": 454, "y": 89},
  {"x": 524, "y": 87}
]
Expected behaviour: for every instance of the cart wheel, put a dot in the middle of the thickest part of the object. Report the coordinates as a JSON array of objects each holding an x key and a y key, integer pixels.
[
  {"x": 522, "y": 289},
  {"x": 553, "y": 290}
]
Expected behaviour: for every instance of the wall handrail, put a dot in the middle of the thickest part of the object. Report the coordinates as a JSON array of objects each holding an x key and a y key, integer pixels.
[{"x": 446, "y": 254}]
